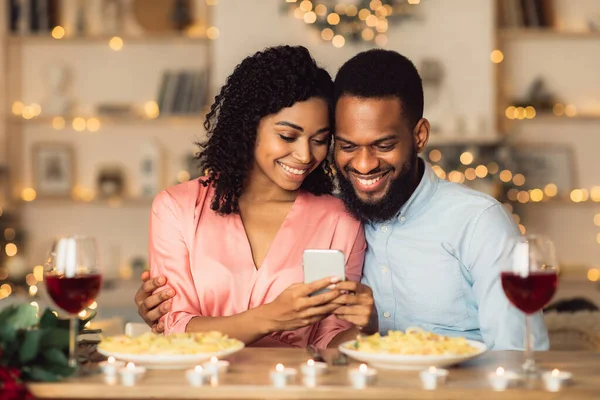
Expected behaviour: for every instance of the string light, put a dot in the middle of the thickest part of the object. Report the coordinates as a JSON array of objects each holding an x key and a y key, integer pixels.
[
  {"x": 516, "y": 218},
  {"x": 351, "y": 10},
  {"x": 327, "y": 34},
  {"x": 310, "y": 17},
  {"x": 367, "y": 34},
  {"x": 10, "y": 234},
  {"x": 435, "y": 155},
  {"x": 338, "y": 41},
  {"x": 321, "y": 10},
  {"x": 79, "y": 124},
  {"x": 375, "y": 5},
  {"x": 439, "y": 171},
  {"x": 481, "y": 171},
  {"x": 595, "y": 193},
  {"x": 551, "y": 190},
  {"x": 576, "y": 196},
  {"x": 558, "y": 109},
  {"x": 593, "y": 274},
  {"x": 38, "y": 273},
  {"x": 381, "y": 40},
  {"x": 496, "y": 56},
  {"x": 536, "y": 195},
  {"x": 466, "y": 158},
  {"x": 183, "y": 176},
  {"x": 597, "y": 219},
  {"x": 512, "y": 194},
  {"x": 151, "y": 109},
  {"x": 522, "y": 229},
  {"x": 33, "y": 289},
  {"x": 11, "y": 249},
  {"x": 508, "y": 207},
  {"x": 570, "y": 110},
  {"x": 333, "y": 19},
  {"x": 58, "y": 123},
  {"x": 470, "y": 174},
  {"x": 371, "y": 21},
  {"x": 28, "y": 194},
  {"x": 213, "y": 32},
  {"x": 298, "y": 13},
  {"x": 306, "y": 6},
  {"x": 456, "y": 176},
  {"x": 505, "y": 176},
  {"x": 116, "y": 43},
  {"x": 523, "y": 197},
  {"x": 363, "y": 14},
  {"x": 414, "y": 2},
  {"x": 93, "y": 124},
  {"x": 598, "y": 238},
  {"x": 93, "y": 306},
  {"x": 493, "y": 168},
  {"x": 58, "y": 32},
  {"x": 519, "y": 179},
  {"x": 17, "y": 108}
]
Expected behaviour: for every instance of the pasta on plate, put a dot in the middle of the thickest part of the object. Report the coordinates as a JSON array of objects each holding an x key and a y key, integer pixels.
[
  {"x": 174, "y": 344},
  {"x": 414, "y": 341}
]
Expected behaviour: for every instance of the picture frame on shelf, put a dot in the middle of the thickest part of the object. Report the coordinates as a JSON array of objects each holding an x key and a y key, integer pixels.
[
  {"x": 542, "y": 164},
  {"x": 53, "y": 169}
]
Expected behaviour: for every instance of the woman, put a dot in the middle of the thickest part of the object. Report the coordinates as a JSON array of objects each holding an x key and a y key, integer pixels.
[{"x": 231, "y": 243}]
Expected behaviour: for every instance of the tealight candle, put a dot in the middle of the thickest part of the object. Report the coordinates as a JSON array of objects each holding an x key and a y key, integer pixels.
[
  {"x": 109, "y": 368},
  {"x": 310, "y": 370},
  {"x": 197, "y": 376},
  {"x": 130, "y": 374},
  {"x": 432, "y": 376},
  {"x": 362, "y": 376},
  {"x": 555, "y": 379},
  {"x": 281, "y": 376},
  {"x": 499, "y": 379},
  {"x": 216, "y": 366}
]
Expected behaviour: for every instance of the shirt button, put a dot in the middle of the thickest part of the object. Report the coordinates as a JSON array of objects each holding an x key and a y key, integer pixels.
[
  {"x": 384, "y": 228},
  {"x": 384, "y": 269},
  {"x": 403, "y": 218},
  {"x": 386, "y": 314}
]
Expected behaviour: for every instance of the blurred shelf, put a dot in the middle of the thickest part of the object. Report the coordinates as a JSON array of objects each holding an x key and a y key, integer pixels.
[
  {"x": 548, "y": 117},
  {"x": 530, "y": 33},
  {"x": 458, "y": 140},
  {"x": 68, "y": 202},
  {"x": 47, "y": 39},
  {"x": 183, "y": 120},
  {"x": 560, "y": 202}
]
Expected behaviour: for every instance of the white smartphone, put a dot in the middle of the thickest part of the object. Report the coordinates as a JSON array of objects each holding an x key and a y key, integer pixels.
[{"x": 319, "y": 264}]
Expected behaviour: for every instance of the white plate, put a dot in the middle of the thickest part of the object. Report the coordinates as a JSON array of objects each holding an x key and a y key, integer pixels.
[
  {"x": 410, "y": 362},
  {"x": 160, "y": 361}
]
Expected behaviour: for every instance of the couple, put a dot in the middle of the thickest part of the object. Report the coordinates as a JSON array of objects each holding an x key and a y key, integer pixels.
[{"x": 226, "y": 250}]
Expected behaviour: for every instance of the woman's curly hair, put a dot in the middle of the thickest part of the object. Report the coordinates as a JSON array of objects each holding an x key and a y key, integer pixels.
[{"x": 261, "y": 85}]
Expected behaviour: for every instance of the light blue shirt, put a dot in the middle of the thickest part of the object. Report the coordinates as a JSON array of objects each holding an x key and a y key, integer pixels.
[{"x": 435, "y": 266}]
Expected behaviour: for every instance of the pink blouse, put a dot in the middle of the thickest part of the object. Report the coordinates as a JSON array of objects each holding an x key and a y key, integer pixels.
[{"x": 208, "y": 261}]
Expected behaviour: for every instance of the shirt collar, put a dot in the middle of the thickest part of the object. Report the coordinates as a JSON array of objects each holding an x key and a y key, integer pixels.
[{"x": 423, "y": 193}]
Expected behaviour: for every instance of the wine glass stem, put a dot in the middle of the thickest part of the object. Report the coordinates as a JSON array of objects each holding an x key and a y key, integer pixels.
[
  {"x": 73, "y": 327},
  {"x": 529, "y": 364}
]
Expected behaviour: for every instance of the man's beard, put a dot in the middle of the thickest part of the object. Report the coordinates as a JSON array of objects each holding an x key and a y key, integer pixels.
[{"x": 384, "y": 209}]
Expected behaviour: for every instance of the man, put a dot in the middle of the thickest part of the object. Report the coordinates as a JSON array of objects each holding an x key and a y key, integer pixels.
[{"x": 433, "y": 246}]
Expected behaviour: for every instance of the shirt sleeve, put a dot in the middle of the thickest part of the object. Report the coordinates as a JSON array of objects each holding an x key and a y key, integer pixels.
[
  {"x": 328, "y": 328},
  {"x": 502, "y": 325},
  {"x": 169, "y": 257}
]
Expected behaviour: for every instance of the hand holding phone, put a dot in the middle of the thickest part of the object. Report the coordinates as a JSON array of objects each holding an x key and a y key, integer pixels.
[{"x": 319, "y": 264}]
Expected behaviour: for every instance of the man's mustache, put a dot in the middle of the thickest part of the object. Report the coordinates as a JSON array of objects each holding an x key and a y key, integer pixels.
[{"x": 378, "y": 170}]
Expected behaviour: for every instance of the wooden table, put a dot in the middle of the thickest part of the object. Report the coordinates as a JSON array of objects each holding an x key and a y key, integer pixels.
[{"x": 249, "y": 379}]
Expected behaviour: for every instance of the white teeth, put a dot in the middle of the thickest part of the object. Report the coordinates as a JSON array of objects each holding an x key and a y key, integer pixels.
[
  {"x": 368, "y": 182},
  {"x": 293, "y": 170}
]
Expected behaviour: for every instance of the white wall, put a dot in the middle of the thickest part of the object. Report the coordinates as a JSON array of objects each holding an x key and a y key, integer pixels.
[
  {"x": 570, "y": 68},
  {"x": 457, "y": 32}
]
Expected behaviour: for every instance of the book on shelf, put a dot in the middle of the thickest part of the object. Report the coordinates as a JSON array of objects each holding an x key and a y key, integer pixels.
[
  {"x": 32, "y": 16},
  {"x": 182, "y": 92},
  {"x": 534, "y": 14}
]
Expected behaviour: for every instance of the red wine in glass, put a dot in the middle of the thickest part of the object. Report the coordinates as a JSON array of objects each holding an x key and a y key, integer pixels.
[
  {"x": 529, "y": 293},
  {"x": 73, "y": 294}
]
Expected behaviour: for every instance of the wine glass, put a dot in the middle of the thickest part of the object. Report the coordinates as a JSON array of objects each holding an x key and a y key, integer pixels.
[
  {"x": 529, "y": 279},
  {"x": 73, "y": 278}
]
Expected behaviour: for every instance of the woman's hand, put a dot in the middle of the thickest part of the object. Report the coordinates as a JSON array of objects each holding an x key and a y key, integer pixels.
[
  {"x": 294, "y": 308},
  {"x": 357, "y": 305}
]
